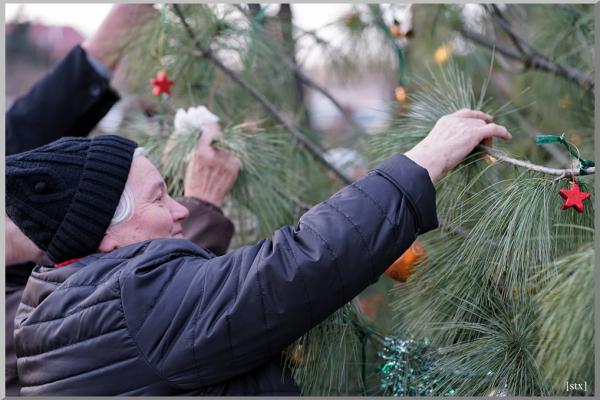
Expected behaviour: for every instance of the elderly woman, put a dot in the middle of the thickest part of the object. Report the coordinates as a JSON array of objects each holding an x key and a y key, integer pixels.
[{"x": 130, "y": 308}]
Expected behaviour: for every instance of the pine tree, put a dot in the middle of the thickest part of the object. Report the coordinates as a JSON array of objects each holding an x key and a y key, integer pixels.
[{"x": 503, "y": 302}]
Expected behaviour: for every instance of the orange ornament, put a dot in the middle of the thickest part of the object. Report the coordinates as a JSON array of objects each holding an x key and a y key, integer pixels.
[
  {"x": 352, "y": 20},
  {"x": 442, "y": 54},
  {"x": 400, "y": 94},
  {"x": 564, "y": 102},
  {"x": 403, "y": 267},
  {"x": 395, "y": 31}
]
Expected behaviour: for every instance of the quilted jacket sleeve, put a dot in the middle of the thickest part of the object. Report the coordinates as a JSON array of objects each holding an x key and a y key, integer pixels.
[{"x": 235, "y": 312}]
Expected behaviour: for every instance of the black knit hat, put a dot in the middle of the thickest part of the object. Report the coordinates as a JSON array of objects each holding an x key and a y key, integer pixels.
[{"x": 63, "y": 195}]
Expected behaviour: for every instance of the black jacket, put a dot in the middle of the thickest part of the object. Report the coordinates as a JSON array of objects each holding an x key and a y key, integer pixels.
[
  {"x": 166, "y": 317},
  {"x": 69, "y": 101}
]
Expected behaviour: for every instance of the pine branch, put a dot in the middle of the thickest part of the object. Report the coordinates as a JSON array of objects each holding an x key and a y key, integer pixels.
[
  {"x": 531, "y": 58},
  {"x": 457, "y": 230},
  {"x": 561, "y": 173},
  {"x": 566, "y": 345},
  {"x": 305, "y": 79},
  {"x": 205, "y": 52}
]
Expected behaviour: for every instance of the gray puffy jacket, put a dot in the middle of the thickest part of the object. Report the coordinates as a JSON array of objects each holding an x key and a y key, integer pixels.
[{"x": 166, "y": 317}]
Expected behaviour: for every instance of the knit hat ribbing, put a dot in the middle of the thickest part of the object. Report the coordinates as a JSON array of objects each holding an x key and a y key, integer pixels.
[{"x": 63, "y": 195}]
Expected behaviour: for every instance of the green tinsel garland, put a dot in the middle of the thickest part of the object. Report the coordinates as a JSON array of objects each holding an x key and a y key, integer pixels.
[{"x": 409, "y": 368}]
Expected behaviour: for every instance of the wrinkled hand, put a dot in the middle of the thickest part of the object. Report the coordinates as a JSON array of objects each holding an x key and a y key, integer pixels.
[
  {"x": 452, "y": 138},
  {"x": 108, "y": 42},
  {"x": 211, "y": 172}
]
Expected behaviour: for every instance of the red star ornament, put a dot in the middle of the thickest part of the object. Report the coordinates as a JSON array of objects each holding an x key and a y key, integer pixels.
[
  {"x": 161, "y": 83},
  {"x": 574, "y": 197}
]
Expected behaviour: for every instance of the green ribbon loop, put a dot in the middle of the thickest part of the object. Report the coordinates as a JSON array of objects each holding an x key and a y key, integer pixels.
[
  {"x": 551, "y": 139},
  {"x": 584, "y": 165},
  {"x": 546, "y": 139}
]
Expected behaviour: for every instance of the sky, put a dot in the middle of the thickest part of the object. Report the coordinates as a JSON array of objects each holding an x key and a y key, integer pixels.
[
  {"x": 84, "y": 17},
  {"x": 87, "y": 17}
]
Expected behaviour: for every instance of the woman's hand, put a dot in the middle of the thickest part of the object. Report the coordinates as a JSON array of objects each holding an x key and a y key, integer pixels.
[
  {"x": 452, "y": 138},
  {"x": 211, "y": 172}
]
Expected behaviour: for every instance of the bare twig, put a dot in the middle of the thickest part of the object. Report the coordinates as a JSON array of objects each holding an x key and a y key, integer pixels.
[
  {"x": 314, "y": 34},
  {"x": 205, "y": 52},
  {"x": 485, "y": 41},
  {"x": 534, "y": 167},
  {"x": 530, "y": 53},
  {"x": 532, "y": 59},
  {"x": 299, "y": 204},
  {"x": 517, "y": 39}
]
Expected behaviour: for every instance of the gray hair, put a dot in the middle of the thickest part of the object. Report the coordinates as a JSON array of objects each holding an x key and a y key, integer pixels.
[{"x": 124, "y": 209}]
